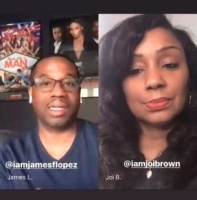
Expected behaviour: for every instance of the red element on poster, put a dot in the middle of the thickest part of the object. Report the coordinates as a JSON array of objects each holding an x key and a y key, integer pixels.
[{"x": 16, "y": 62}]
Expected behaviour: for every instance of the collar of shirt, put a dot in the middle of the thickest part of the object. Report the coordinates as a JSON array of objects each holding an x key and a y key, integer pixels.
[
  {"x": 57, "y": 45},
  {"x": 96, "y": 40}
]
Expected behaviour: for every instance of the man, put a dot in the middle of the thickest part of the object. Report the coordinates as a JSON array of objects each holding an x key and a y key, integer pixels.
[
  {"x": 59, "y": 45},
  {"x": 1, "y": 81},
  {"x": 62, "y": 151},
  {"x": 22, "y": 77},
  {"x": 95, "y": 30}
]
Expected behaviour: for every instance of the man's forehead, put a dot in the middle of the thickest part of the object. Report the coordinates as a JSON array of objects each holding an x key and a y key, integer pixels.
[
  {"x": 55, "y": 59},
  {"x": 57, "y": 29},
  {"x": 54, "y": 64}
]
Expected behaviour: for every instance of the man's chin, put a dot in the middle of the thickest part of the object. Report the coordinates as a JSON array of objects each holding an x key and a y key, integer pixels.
[{"x": 61, "y": 124}]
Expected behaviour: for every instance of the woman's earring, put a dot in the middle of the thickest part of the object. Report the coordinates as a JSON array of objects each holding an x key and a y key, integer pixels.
[
  {"x": 81, "y": 100},
  {"x": 190, "y": 98},
  {"x": 30, "y": 99}
]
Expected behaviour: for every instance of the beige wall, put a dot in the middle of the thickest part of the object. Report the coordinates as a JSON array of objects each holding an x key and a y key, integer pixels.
[{"x": 89, "y": 109}]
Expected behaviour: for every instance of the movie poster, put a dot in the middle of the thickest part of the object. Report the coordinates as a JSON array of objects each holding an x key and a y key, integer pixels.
[
  {"x": 20, "y": 48},
  {"x": 77, "y": 37}
]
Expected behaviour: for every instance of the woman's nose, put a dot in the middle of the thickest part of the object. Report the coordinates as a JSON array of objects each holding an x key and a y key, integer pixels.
[{"x": 154, "y": 79}]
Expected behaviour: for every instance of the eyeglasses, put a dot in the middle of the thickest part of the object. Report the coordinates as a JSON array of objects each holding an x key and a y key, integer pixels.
[{"x": 47, "y": 84}]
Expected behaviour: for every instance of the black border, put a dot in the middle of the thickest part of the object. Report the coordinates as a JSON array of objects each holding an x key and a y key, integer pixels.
[
  {"x": 168, "y": 7},
  {"x": 98, "y": 194}
]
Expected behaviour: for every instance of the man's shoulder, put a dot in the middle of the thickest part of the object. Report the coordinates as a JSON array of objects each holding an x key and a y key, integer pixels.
[
  {"x": 88, "y": 138},
  {"x": 89, "y": 129},
  {"x": 22, "y": 139},
  {"x": 92, "y": 126},
  {"x": 6, "y": 134}
]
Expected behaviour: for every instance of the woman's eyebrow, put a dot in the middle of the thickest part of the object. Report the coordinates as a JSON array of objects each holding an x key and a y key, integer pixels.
[
  {"x": 167, "y": 48},
  {"x": 159, "y": 51}
]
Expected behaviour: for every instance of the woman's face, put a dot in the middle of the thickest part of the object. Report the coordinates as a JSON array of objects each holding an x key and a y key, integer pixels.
[
  {"x": 24, "y": 44},
  {"x": 76, "y": 30},
  {"x": 31, "y": 43},
  {"x": 157, "y": 87}
]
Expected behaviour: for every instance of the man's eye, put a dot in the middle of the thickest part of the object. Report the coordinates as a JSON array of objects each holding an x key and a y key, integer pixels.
[
  {"x": 69, "y": 83},
  {"x": 46, "y": 83}
]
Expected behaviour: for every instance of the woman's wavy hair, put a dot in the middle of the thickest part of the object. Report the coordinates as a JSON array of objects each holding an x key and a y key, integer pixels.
[{"x": 119, "y": 132}]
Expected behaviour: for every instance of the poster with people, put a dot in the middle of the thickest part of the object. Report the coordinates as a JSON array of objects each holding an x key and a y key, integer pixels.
[
  {"x": 77, "y": 37},
  {"x": 20, "y": 48}
]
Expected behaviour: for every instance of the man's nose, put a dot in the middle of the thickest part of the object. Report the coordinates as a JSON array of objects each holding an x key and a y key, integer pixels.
[{"x": 58, "y": 90}]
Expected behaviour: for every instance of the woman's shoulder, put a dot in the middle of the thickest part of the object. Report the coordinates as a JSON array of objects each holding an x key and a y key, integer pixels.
[
  {"x": 192, "y": 184},
  {"x": 66, "y": 46}
]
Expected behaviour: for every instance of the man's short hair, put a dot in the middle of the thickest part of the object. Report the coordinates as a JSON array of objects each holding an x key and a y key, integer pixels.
[
  {"x": 57, "y": 26},
  {"x": 34, "y": 67}
]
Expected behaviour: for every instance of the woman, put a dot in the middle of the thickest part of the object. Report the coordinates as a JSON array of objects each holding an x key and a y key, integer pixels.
[
  {"x": 76, "y": 31},
  {"x": 23, "y": 48},
  {"x": 33, "y": 49},
  {"x": 14, "y": 46},
  {"x": 148, "y": 105},
  {"x": 81, "y": 48}
]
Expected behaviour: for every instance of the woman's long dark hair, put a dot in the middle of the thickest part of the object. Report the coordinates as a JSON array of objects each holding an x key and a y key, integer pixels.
[{"x": 119, "y": 132}]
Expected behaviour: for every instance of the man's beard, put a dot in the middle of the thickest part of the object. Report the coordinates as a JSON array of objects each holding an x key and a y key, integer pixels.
[{"x": 60, "y": 124}]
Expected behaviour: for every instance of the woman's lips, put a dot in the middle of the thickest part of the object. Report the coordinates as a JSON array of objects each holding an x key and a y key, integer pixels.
[{"x": 157, "y": 104}]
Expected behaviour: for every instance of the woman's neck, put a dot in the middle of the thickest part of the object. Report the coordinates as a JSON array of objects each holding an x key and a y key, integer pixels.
[
  {"x": 80, "y": 38},
  {"x": 153, "y": 141}
]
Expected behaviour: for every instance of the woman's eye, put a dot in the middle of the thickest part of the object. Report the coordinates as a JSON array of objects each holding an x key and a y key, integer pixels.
[
  {"x": 135, "y": 71},
  {"x": 171, "y": 65}
]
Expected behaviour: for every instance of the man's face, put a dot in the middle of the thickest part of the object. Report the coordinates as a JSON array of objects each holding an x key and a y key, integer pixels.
[
  {"x": 57, "y": 34},
  {"x": 56, "y": 108},
  {"x": 95, "y": 29}
]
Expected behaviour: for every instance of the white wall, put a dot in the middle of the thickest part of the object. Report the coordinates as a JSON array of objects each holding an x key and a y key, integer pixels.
[
  {"x": 108, "y": 21},
  {"x": 186, "y": 21}
]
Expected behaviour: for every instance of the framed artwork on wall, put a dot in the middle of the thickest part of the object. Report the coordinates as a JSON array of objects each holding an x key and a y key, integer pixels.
[
  {"x": 77, "y": 37},
  {"x": 20, "y": 48}
]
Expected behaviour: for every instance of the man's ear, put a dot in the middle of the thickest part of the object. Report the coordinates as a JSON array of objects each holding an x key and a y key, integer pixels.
[
  {"x": 80, "y": 94},
  {"x": 30, "y": 94}
]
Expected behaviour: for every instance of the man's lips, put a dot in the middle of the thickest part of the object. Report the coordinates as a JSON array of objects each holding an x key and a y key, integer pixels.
[
  {"x": 57, "y": 109},
  {"x": 158, "y": 104},
  {"x": 57, "y": 106}
]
